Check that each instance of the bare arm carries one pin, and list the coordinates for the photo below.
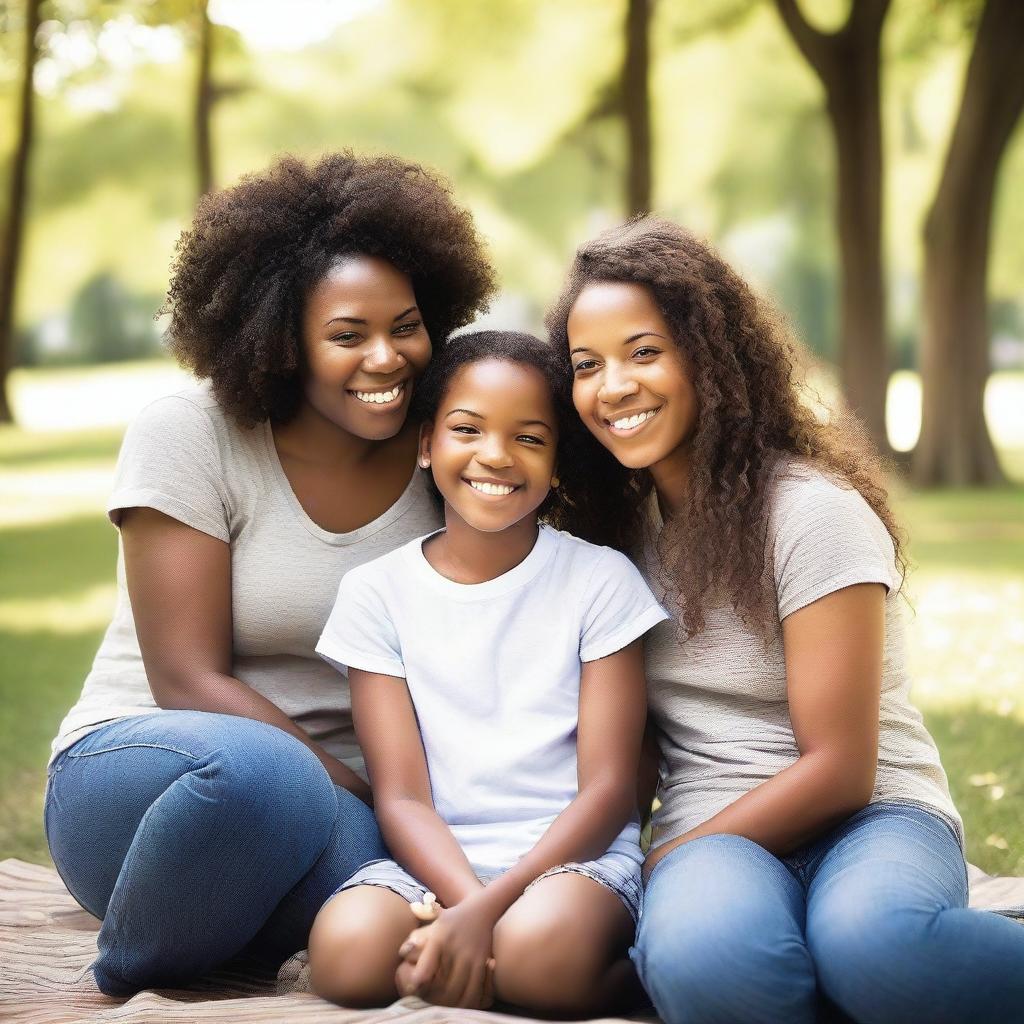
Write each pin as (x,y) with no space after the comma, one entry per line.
(179,582)
(415,833)
(834,649)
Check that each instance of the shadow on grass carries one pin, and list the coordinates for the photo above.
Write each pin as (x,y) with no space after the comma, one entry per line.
(57,559)
(979,743)
(27,449)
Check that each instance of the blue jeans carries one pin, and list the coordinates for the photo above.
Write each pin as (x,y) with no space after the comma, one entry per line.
(196,837)
(872,917)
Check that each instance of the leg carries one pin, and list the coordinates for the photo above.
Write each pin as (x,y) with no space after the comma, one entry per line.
(355,841)
(183,831)
(353,947)
(889,931)
(560,949)
(721,936)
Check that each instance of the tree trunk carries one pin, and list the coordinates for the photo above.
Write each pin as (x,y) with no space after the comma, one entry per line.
(636,105)
(848,64)
(204,103)
(955,448)
(17,200)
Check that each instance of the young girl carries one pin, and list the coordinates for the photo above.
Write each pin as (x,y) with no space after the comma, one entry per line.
(806,842)
(499,699)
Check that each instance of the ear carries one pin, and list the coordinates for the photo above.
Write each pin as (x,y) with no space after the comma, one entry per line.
(554,478)
(426,430)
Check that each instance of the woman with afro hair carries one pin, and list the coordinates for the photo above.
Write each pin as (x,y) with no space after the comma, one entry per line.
(206,793)
(806,848)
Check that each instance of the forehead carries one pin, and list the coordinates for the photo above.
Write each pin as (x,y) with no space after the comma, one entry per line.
(362,278)
(499,387)
(602,301)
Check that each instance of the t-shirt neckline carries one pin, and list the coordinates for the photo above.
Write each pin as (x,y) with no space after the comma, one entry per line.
(516,577)
(385,519)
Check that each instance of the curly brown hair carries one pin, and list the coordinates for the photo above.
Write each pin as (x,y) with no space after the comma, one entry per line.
(751,420)
(242,271)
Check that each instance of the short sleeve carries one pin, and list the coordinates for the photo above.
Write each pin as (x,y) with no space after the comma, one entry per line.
(360,633)
(618,607)
(826,538)
(170,461)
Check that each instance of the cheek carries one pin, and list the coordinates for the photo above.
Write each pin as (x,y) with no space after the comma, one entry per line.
(418,355)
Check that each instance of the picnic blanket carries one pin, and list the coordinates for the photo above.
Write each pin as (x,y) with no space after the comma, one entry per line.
(47,943)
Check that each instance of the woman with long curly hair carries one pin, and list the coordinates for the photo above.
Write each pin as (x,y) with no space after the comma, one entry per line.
(806,848)
(206,793)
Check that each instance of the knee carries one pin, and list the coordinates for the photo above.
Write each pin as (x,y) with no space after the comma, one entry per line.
(536,969)
(343,969)
(278,781)
(727,966)
(872,960)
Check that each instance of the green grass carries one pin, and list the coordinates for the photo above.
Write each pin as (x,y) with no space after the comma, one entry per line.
(966,628)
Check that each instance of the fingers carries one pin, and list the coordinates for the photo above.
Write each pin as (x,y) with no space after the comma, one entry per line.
(473,992)
(410,949)
(487,996)
(426,966)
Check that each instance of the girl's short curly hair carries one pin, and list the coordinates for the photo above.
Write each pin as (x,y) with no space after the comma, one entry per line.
(242,271)
(752,420)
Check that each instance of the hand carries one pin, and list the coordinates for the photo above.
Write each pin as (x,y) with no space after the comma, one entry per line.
(449,961)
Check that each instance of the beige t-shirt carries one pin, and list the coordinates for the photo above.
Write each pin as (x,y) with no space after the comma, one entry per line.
(184,456)
(719,702)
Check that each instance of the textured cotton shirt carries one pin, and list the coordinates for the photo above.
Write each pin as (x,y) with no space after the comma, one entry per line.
(493,671)
(185,457)
(719,700)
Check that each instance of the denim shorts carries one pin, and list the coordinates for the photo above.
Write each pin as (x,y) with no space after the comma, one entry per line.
(617,872)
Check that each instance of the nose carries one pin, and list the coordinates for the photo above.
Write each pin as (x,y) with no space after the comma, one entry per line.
(383,356)
(615,386)
(494,453)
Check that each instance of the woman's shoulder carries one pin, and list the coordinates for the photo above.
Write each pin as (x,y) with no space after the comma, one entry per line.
(801,489)
(192,409)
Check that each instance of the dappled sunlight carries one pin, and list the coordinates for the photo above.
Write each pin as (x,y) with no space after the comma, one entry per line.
(966,646)
(83,613)
(97,397)
(57,492)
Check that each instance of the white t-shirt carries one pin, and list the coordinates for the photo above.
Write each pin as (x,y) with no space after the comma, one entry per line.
(493,670)
(185,457)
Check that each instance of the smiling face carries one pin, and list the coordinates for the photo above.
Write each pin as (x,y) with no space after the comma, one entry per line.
(364,343)
(631,383)
(492,446)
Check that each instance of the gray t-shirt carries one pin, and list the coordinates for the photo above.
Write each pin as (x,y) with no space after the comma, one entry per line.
(719,701)
(184,456)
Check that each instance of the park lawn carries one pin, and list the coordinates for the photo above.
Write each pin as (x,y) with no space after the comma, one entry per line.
(966,629)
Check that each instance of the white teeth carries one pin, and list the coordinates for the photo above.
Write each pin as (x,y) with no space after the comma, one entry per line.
(490,488)
(633,421)
(379,397)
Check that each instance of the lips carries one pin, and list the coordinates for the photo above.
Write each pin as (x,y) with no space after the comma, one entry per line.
(493,488)
(629,423)
(380,396)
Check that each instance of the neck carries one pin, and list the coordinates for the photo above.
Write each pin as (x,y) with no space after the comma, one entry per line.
(313,438)
(671,478)
(466,555)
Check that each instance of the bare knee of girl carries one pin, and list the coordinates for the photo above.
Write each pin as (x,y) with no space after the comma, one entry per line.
(353,946)
(561,949)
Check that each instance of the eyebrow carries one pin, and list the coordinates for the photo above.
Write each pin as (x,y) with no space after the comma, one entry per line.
(478,416)
(359,320)
(628,341)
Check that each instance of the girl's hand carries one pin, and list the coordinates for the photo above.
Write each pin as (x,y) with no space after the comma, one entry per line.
(449,961)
